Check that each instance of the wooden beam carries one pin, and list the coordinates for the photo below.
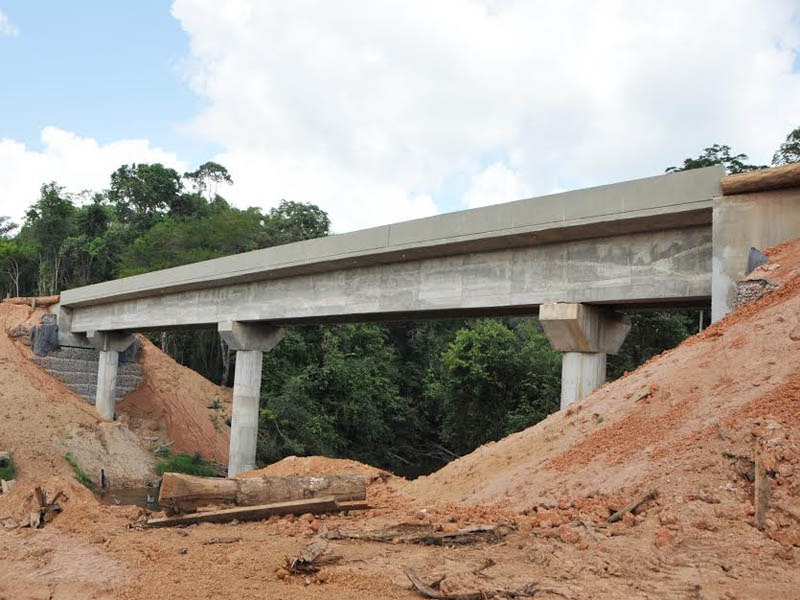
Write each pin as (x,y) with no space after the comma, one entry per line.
(251,513)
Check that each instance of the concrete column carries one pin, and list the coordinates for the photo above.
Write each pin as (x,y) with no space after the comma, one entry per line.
(585,334)
(244,421)
(250,340)
(106,384)
(581,374)
(110,344)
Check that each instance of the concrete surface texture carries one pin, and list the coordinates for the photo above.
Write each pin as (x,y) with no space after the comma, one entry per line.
(244,421)
(759,220)
(676,200)
(585,335)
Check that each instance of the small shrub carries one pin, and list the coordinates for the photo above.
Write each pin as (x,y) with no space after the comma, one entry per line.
(191,464)
(80,474)
(9,472)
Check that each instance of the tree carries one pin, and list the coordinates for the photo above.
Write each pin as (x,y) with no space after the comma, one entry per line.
(495,379)
(295,221)
(717,155)
(142,194)
(789,152)
(207,177)
(49,222)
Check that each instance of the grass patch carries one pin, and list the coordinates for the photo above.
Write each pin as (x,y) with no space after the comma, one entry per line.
(191,464)
(9,472)
(80,474)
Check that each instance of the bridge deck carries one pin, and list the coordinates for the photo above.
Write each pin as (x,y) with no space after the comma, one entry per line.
(642,241)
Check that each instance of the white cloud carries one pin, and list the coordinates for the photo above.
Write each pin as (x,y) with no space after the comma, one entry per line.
(496,183)
(77,163)
(369,109)
(6,27)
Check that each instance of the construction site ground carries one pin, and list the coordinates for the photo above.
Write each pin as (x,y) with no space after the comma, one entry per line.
(682,433)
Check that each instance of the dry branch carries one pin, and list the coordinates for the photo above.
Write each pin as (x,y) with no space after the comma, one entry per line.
(312,559)
(526,591)
(427,535)
(617,516)
(761,491)
(33,301)
(231,539)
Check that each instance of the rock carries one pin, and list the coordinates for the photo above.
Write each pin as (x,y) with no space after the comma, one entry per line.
(664,538)
(568,535)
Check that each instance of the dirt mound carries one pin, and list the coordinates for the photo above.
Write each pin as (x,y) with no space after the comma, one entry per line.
(318,465)
(688,424)
(178,405)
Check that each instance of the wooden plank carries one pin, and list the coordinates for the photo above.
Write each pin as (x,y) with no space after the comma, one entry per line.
(250,513)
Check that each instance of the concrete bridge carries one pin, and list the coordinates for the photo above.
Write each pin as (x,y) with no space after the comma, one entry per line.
(579,259)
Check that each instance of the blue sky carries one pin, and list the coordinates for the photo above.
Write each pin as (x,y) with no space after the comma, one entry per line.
(107,69)
(393,109)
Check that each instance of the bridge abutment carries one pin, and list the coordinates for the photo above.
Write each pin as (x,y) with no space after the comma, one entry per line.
(250,340)
(585,335)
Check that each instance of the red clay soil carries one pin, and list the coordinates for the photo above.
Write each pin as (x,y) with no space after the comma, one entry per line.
(179,405)
(686,426)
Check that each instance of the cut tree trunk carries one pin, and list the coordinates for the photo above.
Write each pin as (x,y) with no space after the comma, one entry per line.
(185,493)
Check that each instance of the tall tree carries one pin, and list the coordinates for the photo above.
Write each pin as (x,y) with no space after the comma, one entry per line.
(49,222)
(717,155)
(206,179)
(789,152)
(143,193)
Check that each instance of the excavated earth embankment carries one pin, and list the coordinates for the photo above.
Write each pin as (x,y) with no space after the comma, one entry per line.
(691,439)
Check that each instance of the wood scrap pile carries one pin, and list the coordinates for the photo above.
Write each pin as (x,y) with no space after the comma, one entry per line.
(45,510)
(432,590)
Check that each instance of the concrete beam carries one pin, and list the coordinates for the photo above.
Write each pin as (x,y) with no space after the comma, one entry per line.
(580,328)
(250,336)
(672,201)
(670,266)
(105,341)
(585,335)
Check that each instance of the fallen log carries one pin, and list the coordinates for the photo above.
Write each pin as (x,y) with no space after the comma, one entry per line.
(253,513)
(33,301)
(182,493)
(617,516)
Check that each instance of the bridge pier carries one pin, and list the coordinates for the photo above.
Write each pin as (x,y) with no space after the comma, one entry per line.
(250,340)
(110,344)
(586,335)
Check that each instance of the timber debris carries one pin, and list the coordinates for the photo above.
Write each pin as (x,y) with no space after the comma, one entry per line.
(429,591)
(255,513)
(312,559)
(181,493)
(428,535)
(617,516)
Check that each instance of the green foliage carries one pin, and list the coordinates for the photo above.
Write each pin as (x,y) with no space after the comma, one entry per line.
(789,151)
(9,472)
(334,391)
(650,335)
(717,155)
(80,475)
(495,378)
(142,194)
(191,464)
(295,221)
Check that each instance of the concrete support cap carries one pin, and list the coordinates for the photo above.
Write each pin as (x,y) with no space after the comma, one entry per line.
(250,336)
(104,341)
(583,328)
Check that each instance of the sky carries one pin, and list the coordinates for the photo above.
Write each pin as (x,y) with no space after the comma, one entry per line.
(380,111)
